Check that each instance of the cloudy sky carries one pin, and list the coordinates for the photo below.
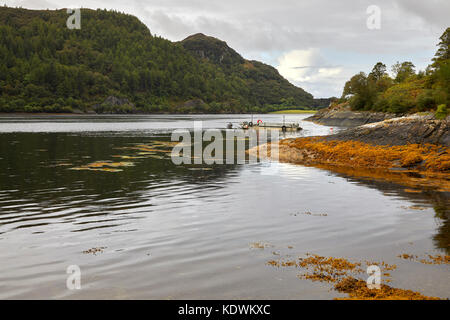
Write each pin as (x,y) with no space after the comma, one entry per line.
(317,45)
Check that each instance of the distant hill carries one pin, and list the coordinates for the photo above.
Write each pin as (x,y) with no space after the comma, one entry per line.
(114,64)
(213,50)
(265,84)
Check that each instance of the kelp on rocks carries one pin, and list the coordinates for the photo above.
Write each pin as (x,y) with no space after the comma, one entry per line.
(411,165)
(429,259)
(421,157)
(107,166)
(342,273)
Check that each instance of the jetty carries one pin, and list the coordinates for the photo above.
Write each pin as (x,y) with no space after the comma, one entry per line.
(284,126)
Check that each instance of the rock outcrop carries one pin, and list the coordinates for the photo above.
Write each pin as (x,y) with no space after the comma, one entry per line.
(115,101)
(113,104)
(400,131)
(191,106)
(343,117)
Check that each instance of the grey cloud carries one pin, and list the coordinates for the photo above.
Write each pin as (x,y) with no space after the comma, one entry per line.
(254,26)
(433,12)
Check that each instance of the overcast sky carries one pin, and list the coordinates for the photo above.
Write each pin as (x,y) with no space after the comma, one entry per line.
(317,45)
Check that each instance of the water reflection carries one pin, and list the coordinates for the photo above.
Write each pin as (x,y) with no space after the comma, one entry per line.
(442,237)
(393,185)
(180,223)
(38,185)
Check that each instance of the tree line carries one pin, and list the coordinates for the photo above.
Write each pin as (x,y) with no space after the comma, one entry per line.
(407,90)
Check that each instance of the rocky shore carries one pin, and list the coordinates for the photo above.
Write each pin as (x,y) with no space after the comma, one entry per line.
(414,129)
(342,116)
(390,150)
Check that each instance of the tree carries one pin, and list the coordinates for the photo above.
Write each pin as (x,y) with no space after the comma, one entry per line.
(403,71)
(378,71)
(356,85)
(443,52)
(441,70)
(362,91)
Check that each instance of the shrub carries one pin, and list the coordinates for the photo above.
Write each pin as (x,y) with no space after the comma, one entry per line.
(66,109)
(425,101)
(381,104)
(441,112)
(403,97)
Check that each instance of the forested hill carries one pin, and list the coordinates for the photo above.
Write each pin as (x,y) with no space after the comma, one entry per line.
(264,82)
(47,67)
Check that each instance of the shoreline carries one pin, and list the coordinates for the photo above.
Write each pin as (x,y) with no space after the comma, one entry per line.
(343,116)
(412,166)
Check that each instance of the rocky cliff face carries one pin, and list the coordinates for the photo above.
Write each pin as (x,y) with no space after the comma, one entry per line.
(344,117)
(400,131)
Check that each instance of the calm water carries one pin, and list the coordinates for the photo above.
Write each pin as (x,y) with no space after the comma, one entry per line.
(173,232)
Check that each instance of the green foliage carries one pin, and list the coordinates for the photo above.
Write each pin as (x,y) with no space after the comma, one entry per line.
(108,108)
(403,71)
(441,112)
(378,71)
(425,100)
(402,97)
(45,67)
(408,91)
(443,52)
(362,90)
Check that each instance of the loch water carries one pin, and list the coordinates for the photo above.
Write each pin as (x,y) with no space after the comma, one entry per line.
(151,229)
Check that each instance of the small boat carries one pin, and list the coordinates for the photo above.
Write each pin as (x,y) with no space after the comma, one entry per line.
(284,126)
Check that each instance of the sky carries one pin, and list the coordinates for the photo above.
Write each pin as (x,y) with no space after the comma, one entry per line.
(317,45)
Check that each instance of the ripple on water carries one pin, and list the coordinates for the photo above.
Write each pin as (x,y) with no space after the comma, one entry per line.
(171,232)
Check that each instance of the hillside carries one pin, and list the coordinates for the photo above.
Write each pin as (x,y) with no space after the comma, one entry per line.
(265,83)
(46,67)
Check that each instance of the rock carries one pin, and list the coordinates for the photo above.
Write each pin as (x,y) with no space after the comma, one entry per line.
(191,105)
(113,104)
(77,111)
(400,131)
(342,116)
(114,101)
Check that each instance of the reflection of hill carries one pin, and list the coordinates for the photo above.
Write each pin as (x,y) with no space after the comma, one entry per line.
(394,183)
(36,184)
(37,162)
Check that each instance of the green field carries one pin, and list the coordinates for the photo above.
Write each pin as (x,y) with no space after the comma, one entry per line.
(293,111)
